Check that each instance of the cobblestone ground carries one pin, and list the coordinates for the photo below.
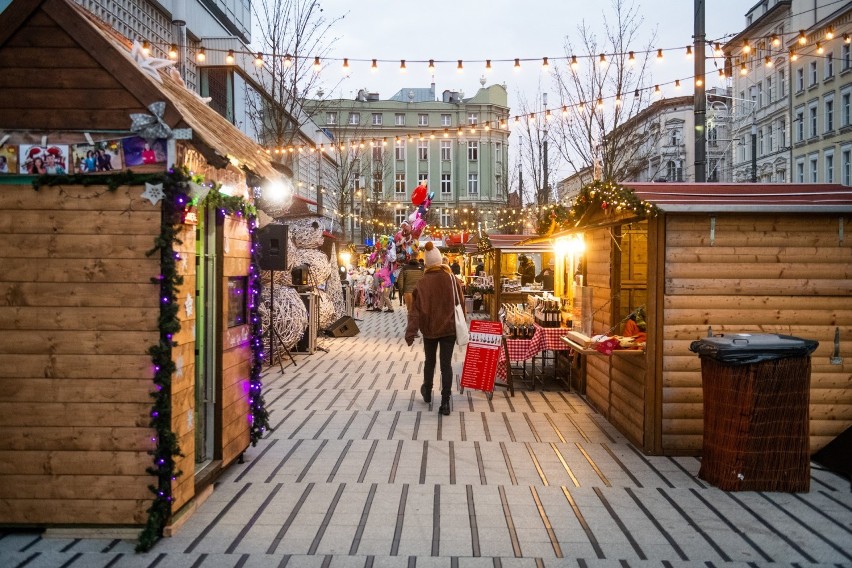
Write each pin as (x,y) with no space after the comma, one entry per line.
(358,471)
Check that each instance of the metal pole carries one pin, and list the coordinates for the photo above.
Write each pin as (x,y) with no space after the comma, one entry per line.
(545,192)
(700,104)
(753,153)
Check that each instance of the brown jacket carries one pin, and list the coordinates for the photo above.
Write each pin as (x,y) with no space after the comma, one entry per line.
(409,276)
(431,310)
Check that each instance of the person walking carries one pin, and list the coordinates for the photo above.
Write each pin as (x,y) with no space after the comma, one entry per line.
(432,312)
(409,276)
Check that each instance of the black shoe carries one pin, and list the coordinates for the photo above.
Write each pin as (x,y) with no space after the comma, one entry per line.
(426,393)
(445,406)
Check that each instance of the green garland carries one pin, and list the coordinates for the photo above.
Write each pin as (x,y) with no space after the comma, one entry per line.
(607,195)
(484,244)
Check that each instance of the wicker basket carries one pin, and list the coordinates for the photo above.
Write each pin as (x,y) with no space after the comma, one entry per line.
(756,425)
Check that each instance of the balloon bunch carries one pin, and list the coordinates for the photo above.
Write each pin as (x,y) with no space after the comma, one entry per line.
(403,245)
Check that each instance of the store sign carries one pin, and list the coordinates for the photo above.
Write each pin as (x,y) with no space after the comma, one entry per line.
(482,354)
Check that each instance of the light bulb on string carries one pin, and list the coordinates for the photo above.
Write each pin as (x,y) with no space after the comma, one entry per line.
(767,61)
(402,68)
(374,66)
(345,67)
(689,52)
(602,60)
(317,65)
(819,48)
(829,33)
(488,66)
(545,65)
(201,55)
(793,55)
(776,41)
(803,39)
(258,59)
(431,67)
(288,60)
(460,67)
(631,58)
(717,49)
(173,51)
(677,83)
(657,90)
(574,62)
(746,46)
(743,69)
(517,66)
(659,56)
(146,48)
(229,59)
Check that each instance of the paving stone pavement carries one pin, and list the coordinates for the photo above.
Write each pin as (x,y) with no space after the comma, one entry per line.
(359,472)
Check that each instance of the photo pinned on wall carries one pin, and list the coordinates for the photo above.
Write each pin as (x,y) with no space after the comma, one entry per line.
(139,152)
(40,160)
(8,159)
(98,157)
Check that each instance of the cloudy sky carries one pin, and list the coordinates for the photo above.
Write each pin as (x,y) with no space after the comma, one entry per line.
(502,30)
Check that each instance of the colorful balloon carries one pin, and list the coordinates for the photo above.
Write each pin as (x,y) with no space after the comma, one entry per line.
(419,194)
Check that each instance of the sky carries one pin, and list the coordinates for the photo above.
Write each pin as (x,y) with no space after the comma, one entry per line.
(504,30)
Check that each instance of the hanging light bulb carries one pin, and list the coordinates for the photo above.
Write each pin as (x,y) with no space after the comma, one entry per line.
(819,48)
(564,110)
(317,64)
(803,39)
(743,69)
(636,94)
(460,67)
(631,58)
(776,41)
(793,55)
(345,67)
(545,66)
(847,38)
(517,120)
(829,33)
(746,46)
(659,56)
(721,73)
(402,68)
(288,60)
(767,61)
(618,99)
(657,90)
(201,55)
(677,83)
(699,81)
(173,51)
(146,48)
(258,59)
(717,49)
(431,67)
(689,52)
(602,59)
(532,117)
(574,62)
(488,66)
(517,66)
(229,59)
(600,105)
(374,66)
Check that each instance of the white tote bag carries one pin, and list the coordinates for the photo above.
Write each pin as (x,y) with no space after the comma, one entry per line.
(462,333)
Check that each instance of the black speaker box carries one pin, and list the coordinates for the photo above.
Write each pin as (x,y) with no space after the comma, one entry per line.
(344,327)
(273,247)
(299,275)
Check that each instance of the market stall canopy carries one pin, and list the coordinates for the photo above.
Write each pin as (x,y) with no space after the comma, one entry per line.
(65,75)
(511,244)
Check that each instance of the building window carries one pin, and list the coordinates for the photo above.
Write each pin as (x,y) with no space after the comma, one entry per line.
(423,119)
(846,57)
(400,214)
(354,118)
(473,118)
(399,119)
(829,65)
(800,170)
(800,80)
(331,118)
(812,74)
(713,167)
(814,169)
(446,217)
(675,137)
(446,185)
(782,176)
(422,179)
(846,166)
(423,150)
(760,94)
(812,119)
(473,151)
(800,124)
(782,133)
(399,182)
(846,108)
(829,166)
(782,84)
(377,119)
(399,152)
(770,96)
(376,151)
(760,151)
(770,138)
(674,172)
(446,150)
(473,184)
(828,108)
(446,120)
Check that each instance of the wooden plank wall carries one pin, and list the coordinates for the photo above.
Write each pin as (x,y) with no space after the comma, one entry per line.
(615,386)
(183,355)
(236,349)
(77,313)
(771,273)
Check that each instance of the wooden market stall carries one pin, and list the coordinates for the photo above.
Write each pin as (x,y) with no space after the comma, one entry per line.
(735,258)
(123,369)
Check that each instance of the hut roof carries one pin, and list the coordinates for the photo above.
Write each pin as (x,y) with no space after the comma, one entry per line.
(745,197)
(64,74)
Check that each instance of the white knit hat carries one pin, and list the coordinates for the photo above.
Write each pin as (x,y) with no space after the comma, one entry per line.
(432,255)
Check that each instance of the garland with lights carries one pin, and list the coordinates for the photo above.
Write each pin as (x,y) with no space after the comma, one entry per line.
(607,195)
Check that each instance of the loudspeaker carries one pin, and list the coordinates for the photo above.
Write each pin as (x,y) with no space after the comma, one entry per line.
(344,327)
(273,247)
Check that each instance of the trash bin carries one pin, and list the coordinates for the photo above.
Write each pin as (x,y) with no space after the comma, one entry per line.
(756,390)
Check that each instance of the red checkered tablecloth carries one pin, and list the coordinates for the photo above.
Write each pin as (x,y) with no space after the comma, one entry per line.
(544,339)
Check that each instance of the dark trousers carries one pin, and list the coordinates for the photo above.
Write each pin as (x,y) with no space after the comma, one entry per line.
(430,347)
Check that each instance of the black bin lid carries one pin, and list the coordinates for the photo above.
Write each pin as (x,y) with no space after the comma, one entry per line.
(746,348)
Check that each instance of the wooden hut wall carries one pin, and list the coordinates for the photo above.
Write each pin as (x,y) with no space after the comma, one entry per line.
(236,349)
(183,356)
(77,315)
(768,273)
(614,385)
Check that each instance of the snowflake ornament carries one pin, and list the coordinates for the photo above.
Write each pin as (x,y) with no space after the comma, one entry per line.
(153,192)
